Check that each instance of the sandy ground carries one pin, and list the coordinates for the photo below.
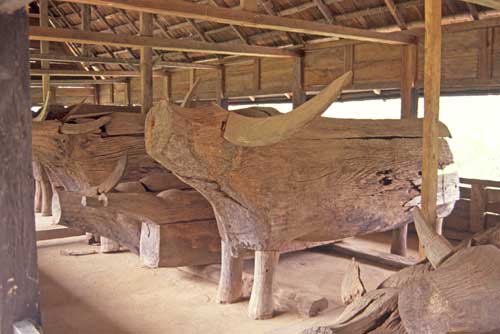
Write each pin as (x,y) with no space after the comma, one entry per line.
(112,293)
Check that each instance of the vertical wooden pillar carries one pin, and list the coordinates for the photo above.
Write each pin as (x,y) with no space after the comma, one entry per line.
(432,92)
(299,96)
(127,91)
(168,86)
(45,48)
(146,29)
(18,258)
(256,74)
(409,76)
(478,200)
(409,109)
(85,26)
(221,88)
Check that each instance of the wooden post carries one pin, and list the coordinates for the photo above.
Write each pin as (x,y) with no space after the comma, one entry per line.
(18,258)
(409,108)
(409,76)
(221,88)
(261,301)
(477,208)
(231,276)
(432,92)
(299,96)
(45,48)
(168,86)
(146,29)
(128,100)
(85,26)
(257,74)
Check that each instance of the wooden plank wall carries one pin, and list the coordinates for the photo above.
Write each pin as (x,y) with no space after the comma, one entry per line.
(471,54)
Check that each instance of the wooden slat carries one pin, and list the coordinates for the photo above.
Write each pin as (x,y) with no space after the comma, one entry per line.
(248,19)
(493,195)
(396,14)
(351,249)
(432,84)
(486,183)
(87,37)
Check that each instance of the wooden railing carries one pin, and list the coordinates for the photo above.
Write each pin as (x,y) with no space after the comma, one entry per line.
(478,207)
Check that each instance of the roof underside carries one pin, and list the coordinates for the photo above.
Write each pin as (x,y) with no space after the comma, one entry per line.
(364,14)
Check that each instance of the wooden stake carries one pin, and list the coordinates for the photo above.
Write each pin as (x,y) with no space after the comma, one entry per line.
(231,277)
(146,27)
(299,96)
(261,301)
(46,188)
(432,91)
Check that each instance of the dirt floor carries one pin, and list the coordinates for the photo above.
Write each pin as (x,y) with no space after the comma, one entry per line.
(112,293)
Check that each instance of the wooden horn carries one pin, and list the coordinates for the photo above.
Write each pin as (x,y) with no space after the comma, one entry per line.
(252,132)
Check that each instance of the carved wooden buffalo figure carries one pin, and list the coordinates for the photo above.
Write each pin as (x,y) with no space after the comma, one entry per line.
(294,176)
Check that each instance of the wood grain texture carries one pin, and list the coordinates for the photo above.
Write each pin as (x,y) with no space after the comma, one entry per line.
(18,258)
(262,203)
(463,293)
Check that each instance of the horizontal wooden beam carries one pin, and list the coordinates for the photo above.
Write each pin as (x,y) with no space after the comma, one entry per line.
(118,61)
(88,37)
(190,10)
(62,83)
(81,73)
(486,3)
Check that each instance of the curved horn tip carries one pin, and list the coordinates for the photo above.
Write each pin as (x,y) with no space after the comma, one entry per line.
(254,132)
(436,247)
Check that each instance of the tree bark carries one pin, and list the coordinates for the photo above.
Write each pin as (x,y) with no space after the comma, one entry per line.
(18,258)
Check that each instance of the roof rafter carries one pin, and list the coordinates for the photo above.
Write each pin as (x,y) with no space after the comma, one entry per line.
(86,37)
(252,20)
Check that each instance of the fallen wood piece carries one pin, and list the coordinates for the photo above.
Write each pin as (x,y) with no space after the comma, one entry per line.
(352,287)
(73,110)
(130,187)
(406,276)
(112,180)
(157,182)
(78,252)
(461,295)
(125,124)
(363,315)
(83,128)
(286,299)
(349,248)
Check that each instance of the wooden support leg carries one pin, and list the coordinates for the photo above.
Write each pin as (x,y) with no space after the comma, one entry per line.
(109,246)
(399,241)
(231,277)
(261,301)
(38,196)
(46,188)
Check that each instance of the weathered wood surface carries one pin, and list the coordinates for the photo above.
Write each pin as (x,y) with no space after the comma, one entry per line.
(68,211)
(460,296)
(352,287)
(78,162)
(18,257)
(262,202)
(301,181)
